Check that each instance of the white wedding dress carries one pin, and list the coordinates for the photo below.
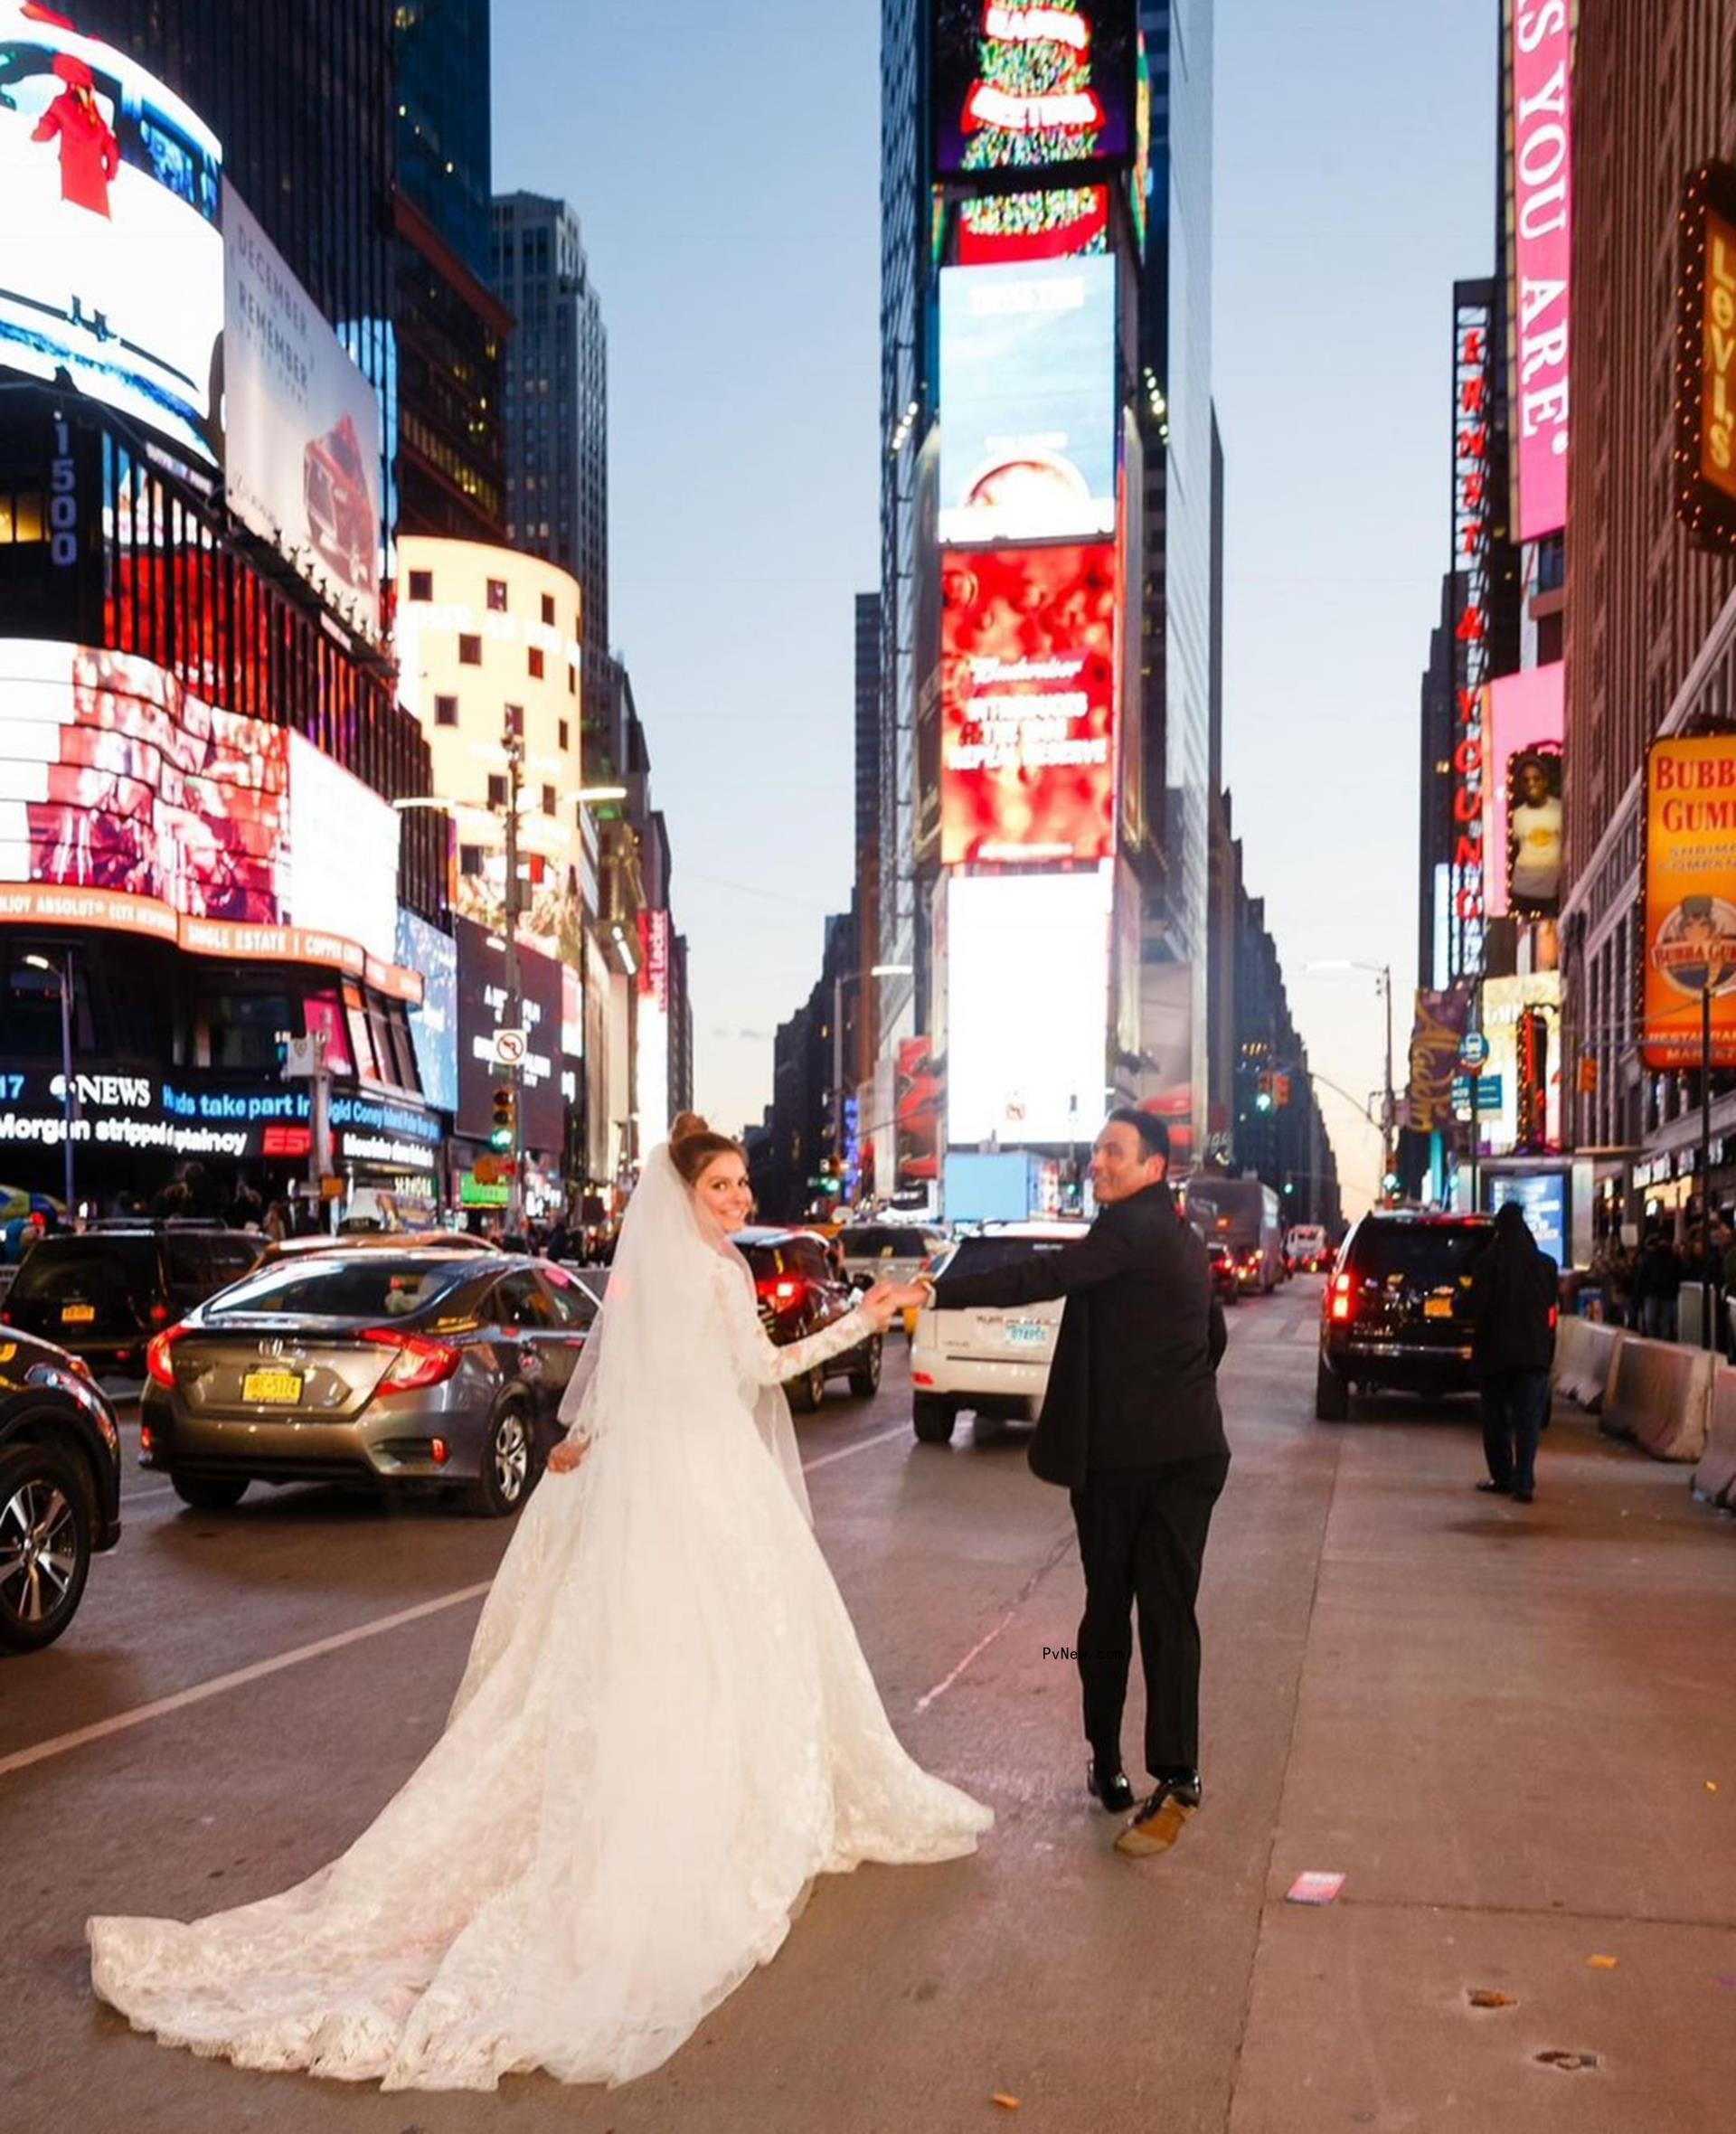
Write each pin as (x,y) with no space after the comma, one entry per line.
(665,1730)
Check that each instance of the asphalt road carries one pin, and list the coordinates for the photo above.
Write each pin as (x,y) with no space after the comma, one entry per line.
(1512,1731)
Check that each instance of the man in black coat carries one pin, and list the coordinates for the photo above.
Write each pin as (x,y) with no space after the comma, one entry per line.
(1130,1426)
(1513,1304)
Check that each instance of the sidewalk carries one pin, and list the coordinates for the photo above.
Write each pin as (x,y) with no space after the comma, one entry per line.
(1515,1736)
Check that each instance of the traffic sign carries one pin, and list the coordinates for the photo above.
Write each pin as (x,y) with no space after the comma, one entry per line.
(1473,1049)
(510,1048)
(1489,1093)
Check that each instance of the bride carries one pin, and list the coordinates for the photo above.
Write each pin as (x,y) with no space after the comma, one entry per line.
(665,1731)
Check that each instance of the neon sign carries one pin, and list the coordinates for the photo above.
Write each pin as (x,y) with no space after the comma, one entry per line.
(1471,501)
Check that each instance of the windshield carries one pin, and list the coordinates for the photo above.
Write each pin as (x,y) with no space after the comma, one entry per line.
(1419,1253)
(371,1285)
(885,1242)
(92,1268)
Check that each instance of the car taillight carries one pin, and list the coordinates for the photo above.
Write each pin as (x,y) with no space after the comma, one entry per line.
(158,1315)
(782,1295)
(159,1368)
(419,1363)
(1340,1303)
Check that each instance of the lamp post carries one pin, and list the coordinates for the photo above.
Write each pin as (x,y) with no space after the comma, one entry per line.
(1384,972)
(840,980)
(62,976)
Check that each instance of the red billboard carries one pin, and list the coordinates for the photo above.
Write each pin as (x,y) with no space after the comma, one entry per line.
(1027,703)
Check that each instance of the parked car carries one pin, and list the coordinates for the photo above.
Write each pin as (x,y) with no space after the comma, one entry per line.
(408,1369)
(1226,1277)
(991,1359)
(887,1252)
(1307,1248)
(59,1487)
(102,1293)
(1393,1316)
(800,1292)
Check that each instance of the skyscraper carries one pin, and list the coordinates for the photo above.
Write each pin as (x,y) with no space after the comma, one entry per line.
(557,409)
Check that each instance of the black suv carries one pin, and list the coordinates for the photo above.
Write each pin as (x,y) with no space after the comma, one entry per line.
(102,1293)
(1393,1317)
(800,1291)
(60,1488)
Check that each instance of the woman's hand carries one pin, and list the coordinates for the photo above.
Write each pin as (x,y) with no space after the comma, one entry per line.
(884,1303)
(567,1454)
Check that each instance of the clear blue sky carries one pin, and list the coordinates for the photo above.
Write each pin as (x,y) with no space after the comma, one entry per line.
(724,163)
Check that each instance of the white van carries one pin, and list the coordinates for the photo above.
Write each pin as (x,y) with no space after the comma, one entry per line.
(1307,1248)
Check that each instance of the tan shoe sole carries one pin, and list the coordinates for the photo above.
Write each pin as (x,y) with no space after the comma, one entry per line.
(1157,1833)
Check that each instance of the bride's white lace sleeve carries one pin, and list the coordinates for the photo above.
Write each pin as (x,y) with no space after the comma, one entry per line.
(759,1359)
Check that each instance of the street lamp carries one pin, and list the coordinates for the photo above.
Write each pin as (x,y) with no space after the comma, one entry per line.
(840,980)
(62,978)
(1384,972)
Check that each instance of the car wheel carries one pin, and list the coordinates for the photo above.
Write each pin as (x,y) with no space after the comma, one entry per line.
(807,1391)
(209,1493)
(934,1420)
(45,1545)
(508,1465)
(1331,1396)
(864,1380)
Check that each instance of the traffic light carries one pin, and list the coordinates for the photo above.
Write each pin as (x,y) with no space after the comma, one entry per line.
(1263,1093)
(504,1130)
(1280,1089)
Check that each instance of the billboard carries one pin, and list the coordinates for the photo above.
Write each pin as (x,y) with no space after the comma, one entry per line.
(1441,1020)
(1473,392)
(484,1006)
(1522,724)
(1705,359)
(1541,1196)
(301,425)
(652,1057)
(434,1024)
(1023,85)
(111,260)
(1027,399)
(1690,901)
(1058,222)
(1027,1008)
(1027,705)
(1540,206)
(128,802)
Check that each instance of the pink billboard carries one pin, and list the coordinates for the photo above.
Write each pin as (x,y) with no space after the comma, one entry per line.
(1521,788)
(1540,164)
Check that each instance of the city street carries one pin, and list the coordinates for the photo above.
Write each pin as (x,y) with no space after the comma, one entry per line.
(1511,1731)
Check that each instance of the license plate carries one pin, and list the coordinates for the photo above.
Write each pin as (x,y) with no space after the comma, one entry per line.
(1438,1308)
(1027,1336)
(77,1314)
(272,1389)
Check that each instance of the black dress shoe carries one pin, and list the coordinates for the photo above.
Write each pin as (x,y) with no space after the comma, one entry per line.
(1522,1496)
(1110,1788)
(1495,1488)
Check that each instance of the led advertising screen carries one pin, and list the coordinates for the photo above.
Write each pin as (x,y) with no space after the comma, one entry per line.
(1541,1197)
(1059,222)
(128,802)
(1030,84)
(434,1024)
(1027,400)
(1522,791)
(301,425)
(111,258)
(1028,1009)
(1027,705)
(1540,192)
(1690,901)
(652,1028)
(484,1006)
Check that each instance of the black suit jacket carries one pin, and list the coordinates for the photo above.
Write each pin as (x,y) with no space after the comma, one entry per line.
(1134,1379)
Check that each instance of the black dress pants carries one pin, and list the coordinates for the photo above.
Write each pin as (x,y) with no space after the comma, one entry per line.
(1142,1538)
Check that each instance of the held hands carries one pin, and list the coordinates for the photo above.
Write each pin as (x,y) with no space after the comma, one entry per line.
(567,1454)
(882,1304)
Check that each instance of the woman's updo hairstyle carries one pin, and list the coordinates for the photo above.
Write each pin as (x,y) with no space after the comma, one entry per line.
(693,1146)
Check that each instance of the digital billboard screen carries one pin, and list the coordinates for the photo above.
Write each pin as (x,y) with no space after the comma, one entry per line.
(111,255)
(1027,705)
(1027,400)
(1539,193)
(484,1007)
(342,852)
(1522,727)
(301,425)
(1027,1007)
(1030,84)
(434,1024)
(1057,222)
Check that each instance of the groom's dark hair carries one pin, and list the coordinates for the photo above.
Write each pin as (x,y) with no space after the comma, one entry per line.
(1154,1135)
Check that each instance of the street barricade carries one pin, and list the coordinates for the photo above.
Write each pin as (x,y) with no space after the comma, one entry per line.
(1660,1394)
(1585,1361)
(1715,1476)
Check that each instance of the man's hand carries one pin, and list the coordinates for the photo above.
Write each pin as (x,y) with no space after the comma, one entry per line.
(884,1303)
(567,1454)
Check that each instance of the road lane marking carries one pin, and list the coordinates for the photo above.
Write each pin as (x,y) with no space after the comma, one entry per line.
(1062,1548)
(139,1495)
(219,1684)
(200,1691)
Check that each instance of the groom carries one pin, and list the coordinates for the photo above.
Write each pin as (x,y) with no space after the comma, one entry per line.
(1130,1425)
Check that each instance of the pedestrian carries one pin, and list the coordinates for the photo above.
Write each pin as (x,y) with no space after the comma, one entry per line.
(1657,1285)
(667,1730)
(1511,1305)
(1130,1426)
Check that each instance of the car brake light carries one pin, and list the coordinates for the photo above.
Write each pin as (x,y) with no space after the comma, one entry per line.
(1342,1308)
(921,1378)
(782,1295)
(159,1368)
(159,1314)
(419,1363)
(145,1441)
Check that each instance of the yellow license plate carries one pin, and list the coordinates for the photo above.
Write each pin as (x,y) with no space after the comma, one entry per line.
(1438,1308)
(272,1389)
(77,1314)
